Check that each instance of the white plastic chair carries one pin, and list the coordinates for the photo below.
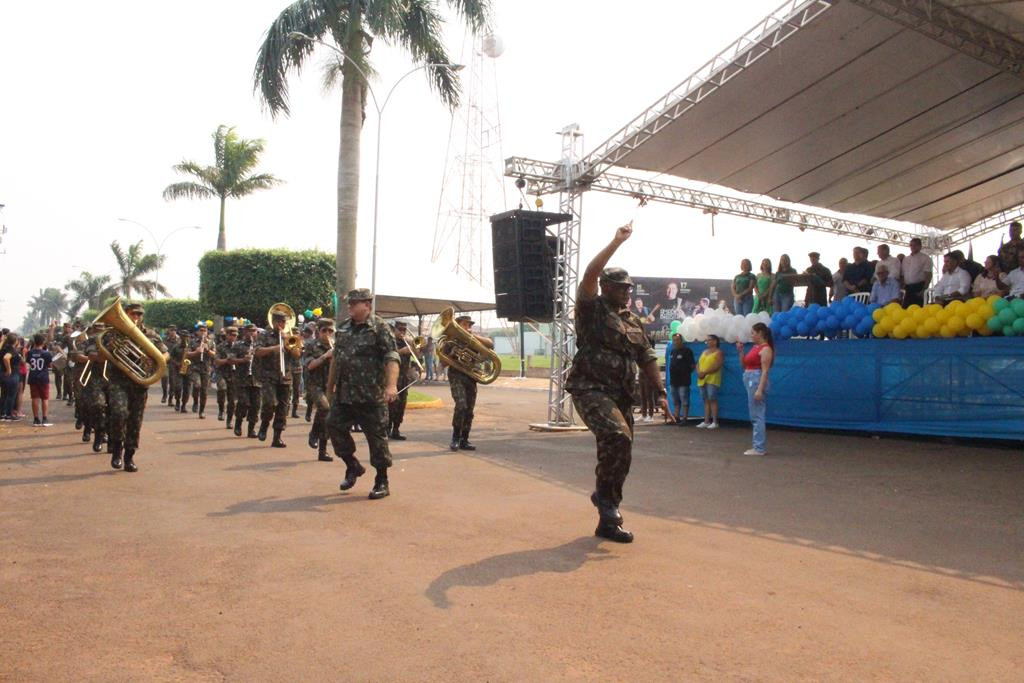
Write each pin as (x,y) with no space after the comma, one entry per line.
(862,297)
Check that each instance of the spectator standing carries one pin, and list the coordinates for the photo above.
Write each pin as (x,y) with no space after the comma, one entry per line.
(782,288)
(756,365)
(917,274)
(38,361)
(885,288)
(1008,252)
(954,284)
(709,379)
(763,288)
(743,289)
(680,374)
(892,263)
(973,268)
(428,359)
(1015,278)
(10,376)
(857,276)
(838,281)
(820,281)
(988,281)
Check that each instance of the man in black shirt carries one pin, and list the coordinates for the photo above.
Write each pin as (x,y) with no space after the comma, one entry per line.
(680,371)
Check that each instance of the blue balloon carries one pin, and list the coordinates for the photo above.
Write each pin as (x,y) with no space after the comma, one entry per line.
(820,327)
(850,322)
(813,307)
(803,329)
(832,323)
(786,332)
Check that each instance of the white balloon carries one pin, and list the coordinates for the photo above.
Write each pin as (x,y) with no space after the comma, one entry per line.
(687,330)
(492,46)
(751,318)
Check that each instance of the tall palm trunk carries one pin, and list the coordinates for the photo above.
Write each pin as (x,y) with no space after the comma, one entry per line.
(348,162)
(222,242)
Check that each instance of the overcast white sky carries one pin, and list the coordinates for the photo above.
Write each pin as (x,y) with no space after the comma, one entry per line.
(100,99)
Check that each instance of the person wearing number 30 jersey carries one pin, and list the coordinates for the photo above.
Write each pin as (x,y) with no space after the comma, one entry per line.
(38,360)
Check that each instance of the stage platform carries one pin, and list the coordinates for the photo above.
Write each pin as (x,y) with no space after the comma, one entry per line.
(971,387)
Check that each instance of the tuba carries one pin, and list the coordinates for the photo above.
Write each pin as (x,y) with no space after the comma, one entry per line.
(462,351)
(290,342)
(124,345)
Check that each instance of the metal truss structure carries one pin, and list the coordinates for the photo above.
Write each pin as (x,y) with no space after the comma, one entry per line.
(985,226)
(540,176)
(567,266)
(953,29)
(769,33)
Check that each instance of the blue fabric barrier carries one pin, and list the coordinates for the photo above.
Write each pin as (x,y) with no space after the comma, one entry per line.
(965,387)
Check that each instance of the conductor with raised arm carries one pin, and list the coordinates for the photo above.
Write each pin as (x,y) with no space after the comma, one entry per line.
(610,345)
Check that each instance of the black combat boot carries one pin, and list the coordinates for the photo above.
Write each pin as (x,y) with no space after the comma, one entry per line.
(309,413)
(129,464)
(86,434)
(277,442)
(322,451)
(220,415)
(295,412)
(353,470)
(263,431)
(78,422)
(613,533)
(97,441)
(464,443)
(396,435)
(380,485)
(195,406)
(251,433)
(231,417)
(454,445)
(115,454)
(607,509)
(238,427)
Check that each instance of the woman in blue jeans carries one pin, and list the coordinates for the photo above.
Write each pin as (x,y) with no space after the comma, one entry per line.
(10,376)
(756,365)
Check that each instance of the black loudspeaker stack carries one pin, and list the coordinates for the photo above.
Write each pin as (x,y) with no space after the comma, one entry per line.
(525,264)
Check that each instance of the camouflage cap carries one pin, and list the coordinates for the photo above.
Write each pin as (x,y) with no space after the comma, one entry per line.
(249,326)
(361,294)
(230,329)
(465,319)
(324,324)
(277,315)
(400,325)
(616,276)
(172,328)
(134,308)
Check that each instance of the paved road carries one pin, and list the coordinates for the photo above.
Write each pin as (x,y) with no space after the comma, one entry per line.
(836,557)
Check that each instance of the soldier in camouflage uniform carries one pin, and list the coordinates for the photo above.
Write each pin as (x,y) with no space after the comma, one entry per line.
(95,390)
(298,376)
(463,388)
(181,402)
(201,352)
(247,385)
(363,380)
(610,344)
(396,411)
(226,372)
(74,369)
(316,359)
(274,365)
(127,402)
(173,343)
(68,373)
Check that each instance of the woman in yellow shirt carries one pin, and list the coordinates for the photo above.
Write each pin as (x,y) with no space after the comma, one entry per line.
(709,379)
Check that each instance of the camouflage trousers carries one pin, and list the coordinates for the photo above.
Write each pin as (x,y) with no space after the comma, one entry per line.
(276,398)
(75,391)
(70,380)
(164,384)
(463,388)
(396,411)
(610,419)
(127,404)
(226,392)
(173,384)
(200,383)
(296,389)
(58,384)
(94,405)
(247,403)
(372,418)
(317,397)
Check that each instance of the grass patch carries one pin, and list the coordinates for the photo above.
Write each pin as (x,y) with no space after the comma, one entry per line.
(511,362)
(419,397)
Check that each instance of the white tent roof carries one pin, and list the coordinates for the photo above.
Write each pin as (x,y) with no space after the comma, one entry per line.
(839,104)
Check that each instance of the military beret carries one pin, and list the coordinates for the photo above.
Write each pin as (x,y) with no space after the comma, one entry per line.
(361,294)
(325,324)
(616,276)
(465,319)
(277,315)
(249,326)
(399,325)
(134,308)
(230,329)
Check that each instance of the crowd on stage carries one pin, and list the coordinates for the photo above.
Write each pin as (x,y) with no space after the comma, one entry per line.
(904,278)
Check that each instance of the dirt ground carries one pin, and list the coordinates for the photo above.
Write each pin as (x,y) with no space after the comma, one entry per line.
(835,557)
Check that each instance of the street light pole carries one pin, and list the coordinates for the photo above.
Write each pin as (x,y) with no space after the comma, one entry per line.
(159,243)
(297,35)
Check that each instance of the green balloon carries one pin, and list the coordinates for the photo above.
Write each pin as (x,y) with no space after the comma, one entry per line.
(1000,304)
(1017,306)
(675,326)
(1007,316)
(994,323)
(1018,325)
(1008,331)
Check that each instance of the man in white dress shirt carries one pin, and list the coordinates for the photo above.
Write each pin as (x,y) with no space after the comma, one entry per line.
(955,283)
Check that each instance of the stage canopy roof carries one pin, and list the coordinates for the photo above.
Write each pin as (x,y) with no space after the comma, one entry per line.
(910,110)
(390,306)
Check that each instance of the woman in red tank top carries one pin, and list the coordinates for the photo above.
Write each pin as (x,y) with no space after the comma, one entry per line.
(756,364)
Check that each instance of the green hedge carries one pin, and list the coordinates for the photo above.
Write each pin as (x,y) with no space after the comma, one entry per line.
(247,282)
(179,312)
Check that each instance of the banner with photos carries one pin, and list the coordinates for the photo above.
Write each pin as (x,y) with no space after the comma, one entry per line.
(659,301)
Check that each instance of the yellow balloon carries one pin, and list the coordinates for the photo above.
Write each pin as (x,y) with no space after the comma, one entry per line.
(891,307)
(984,331)
(946,332)
(974,321)
(986,311)
(933,308)
(879,330)
(899,333)
(209,323)
(956,323)
(932,325)
(898,316)
(318,311)
(955,306)
(993,298)
(885,326)
(921,333)
(920,315)
(878,314)
(943,316)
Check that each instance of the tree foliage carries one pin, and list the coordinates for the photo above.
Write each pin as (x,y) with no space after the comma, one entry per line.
(247,282)
(161,313)
(89,290)
(134,266)
(49,304)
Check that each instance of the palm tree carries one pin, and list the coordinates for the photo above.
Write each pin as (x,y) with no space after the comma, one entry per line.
(415,25)
(235,158)
(133,265)
(89,290)
(48,305)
